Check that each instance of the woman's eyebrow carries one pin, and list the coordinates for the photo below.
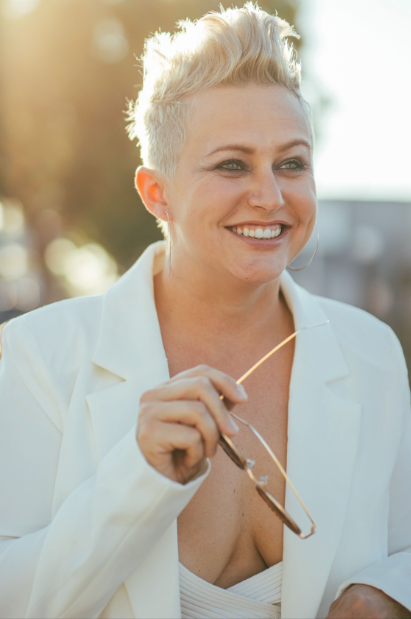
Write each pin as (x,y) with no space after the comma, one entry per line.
(298,142)
(244,149)
(249,150)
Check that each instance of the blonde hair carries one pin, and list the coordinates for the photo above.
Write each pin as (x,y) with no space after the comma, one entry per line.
(232,48)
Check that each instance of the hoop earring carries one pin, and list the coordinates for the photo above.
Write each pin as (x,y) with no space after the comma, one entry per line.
(312,257)
(168,241)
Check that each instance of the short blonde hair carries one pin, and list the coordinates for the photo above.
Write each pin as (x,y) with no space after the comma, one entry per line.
(232,48)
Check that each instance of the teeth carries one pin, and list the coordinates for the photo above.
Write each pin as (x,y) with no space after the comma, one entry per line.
(258,233)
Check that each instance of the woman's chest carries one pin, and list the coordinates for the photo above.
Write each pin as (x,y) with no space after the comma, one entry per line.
(227,533)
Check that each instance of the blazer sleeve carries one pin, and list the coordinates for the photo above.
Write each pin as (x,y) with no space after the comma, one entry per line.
(71,565)
(393,575)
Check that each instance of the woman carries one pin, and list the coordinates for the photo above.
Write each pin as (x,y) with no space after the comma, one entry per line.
(97,511)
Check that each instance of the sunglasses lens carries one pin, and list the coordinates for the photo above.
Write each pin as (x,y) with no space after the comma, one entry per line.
(231,451)
(278,510)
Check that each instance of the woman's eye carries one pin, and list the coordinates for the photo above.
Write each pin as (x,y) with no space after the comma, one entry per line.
(293,164)
(231,165)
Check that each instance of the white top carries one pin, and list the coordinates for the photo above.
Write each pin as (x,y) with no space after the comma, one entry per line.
(258,597)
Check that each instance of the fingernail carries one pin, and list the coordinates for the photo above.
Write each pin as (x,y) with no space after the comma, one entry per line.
(233,426)
(242,392)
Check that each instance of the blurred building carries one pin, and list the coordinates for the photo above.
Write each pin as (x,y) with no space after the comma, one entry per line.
(364,258)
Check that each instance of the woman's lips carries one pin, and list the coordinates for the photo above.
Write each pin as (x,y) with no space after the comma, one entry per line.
(262,243)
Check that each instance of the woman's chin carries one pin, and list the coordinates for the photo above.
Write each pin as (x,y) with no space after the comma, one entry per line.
(261,263)
(257,274)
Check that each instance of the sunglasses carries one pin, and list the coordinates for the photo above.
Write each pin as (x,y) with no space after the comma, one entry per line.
(247,464)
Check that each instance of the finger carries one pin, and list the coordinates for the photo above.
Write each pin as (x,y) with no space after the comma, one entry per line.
(172,437)
(194,414)
(224,384)
(199,388)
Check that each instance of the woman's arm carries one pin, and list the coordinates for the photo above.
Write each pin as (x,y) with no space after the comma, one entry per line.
(72,565)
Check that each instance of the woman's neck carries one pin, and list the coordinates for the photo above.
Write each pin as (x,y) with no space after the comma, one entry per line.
(211,312)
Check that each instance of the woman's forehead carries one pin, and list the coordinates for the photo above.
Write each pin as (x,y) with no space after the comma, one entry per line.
(248,116)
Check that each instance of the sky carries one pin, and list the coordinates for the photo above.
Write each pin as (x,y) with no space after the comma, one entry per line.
(357,54)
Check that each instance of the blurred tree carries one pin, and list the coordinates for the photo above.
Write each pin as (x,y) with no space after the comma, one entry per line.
(67,69)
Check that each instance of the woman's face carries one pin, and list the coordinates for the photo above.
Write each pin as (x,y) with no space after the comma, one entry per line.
(244,172)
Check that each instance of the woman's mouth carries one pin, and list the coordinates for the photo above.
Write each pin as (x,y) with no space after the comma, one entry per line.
(258,232)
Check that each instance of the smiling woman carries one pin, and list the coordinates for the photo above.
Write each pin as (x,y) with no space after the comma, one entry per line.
(113,405)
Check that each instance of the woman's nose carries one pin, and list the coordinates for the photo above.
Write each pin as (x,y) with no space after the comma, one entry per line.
(266,192)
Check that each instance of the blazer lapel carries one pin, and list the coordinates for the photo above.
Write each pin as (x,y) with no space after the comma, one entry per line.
(131,358)
(323,431)
(129,353)
(114,410)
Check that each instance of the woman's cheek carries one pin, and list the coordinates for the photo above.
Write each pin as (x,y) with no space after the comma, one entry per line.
(303,202)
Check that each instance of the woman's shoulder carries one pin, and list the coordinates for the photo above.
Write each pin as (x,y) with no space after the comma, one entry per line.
(60,327)
(350,316)
(361,334)
(44,349)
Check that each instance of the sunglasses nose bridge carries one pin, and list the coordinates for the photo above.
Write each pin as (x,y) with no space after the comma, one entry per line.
(262,481)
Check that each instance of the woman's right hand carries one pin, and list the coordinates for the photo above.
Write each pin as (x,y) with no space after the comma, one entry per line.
(180,421)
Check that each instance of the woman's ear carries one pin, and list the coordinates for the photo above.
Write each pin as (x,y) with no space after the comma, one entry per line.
(151,189)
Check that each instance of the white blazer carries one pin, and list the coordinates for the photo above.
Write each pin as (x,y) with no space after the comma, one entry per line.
(89,528)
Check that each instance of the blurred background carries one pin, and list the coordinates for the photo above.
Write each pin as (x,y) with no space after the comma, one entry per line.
(70,220)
